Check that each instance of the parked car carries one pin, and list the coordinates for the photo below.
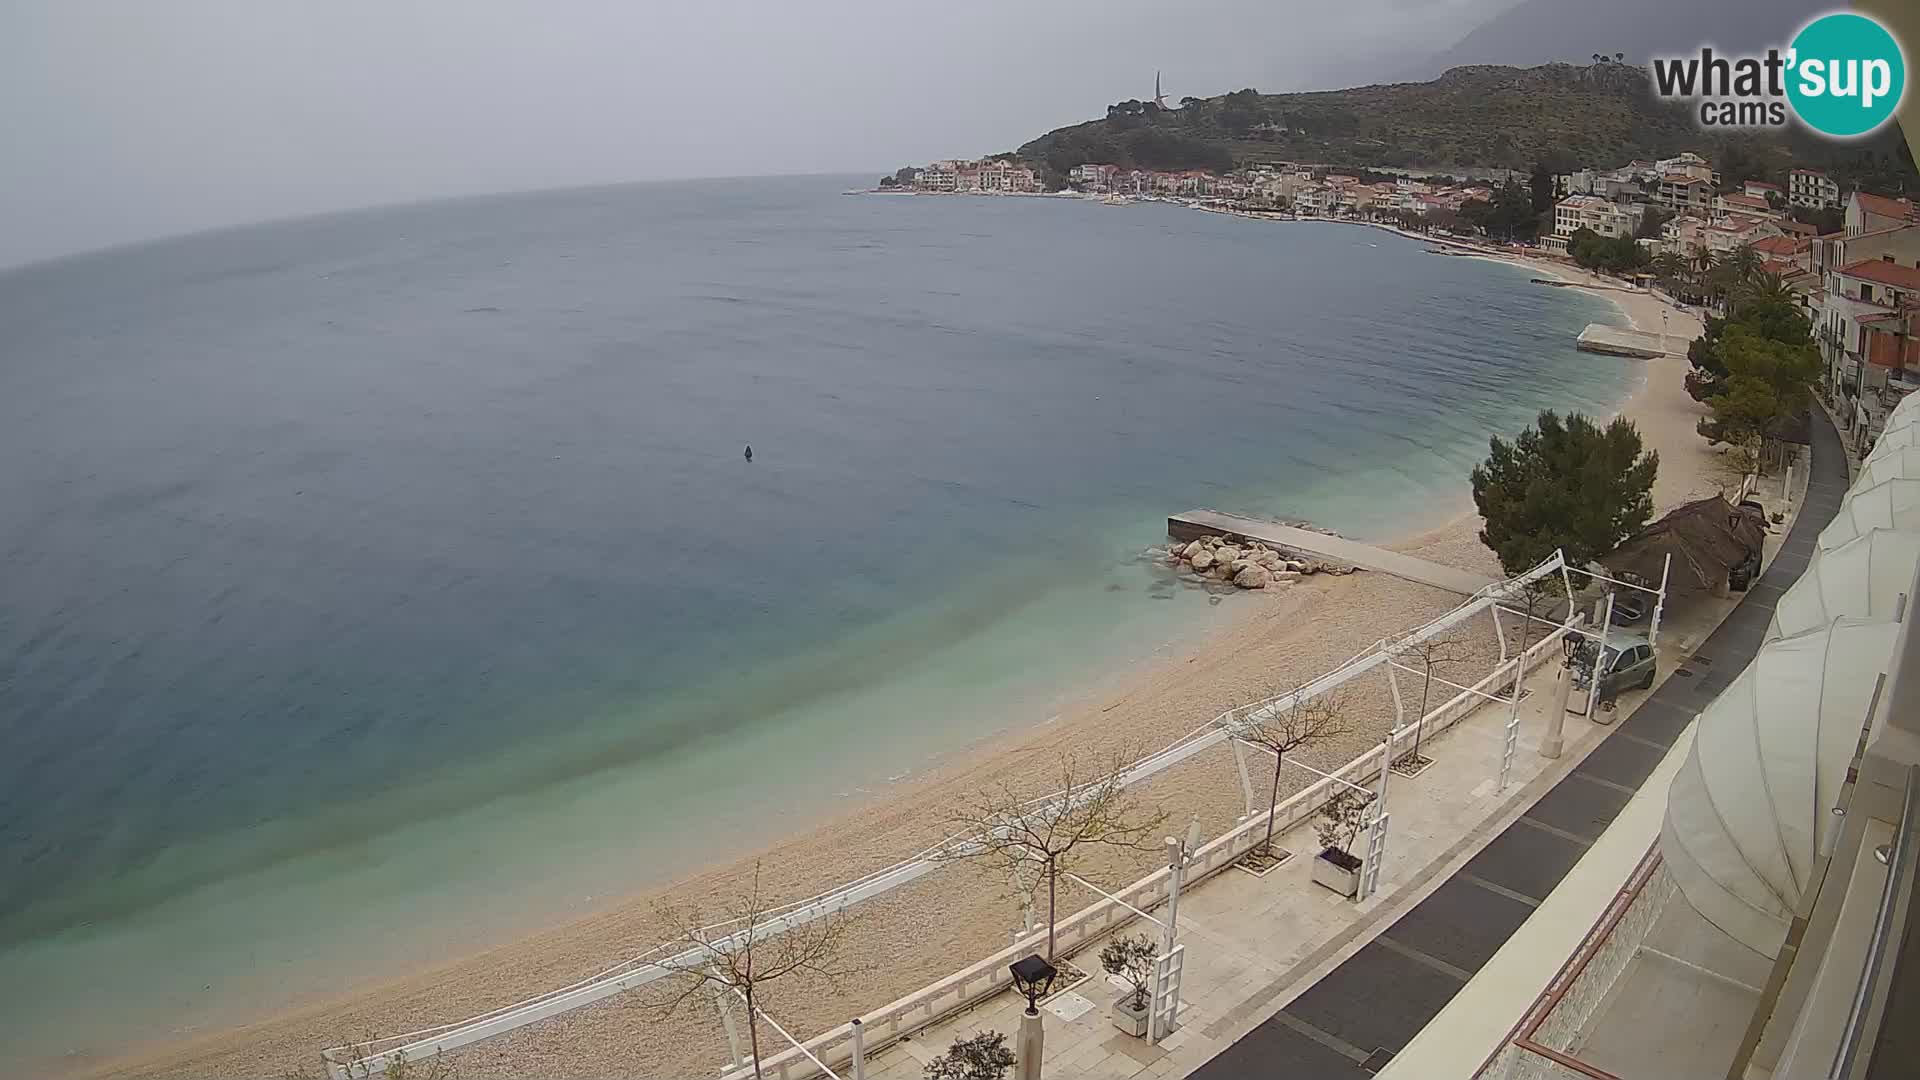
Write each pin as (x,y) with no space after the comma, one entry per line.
(1627,665)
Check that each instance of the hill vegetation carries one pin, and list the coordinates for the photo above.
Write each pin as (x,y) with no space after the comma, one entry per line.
(1566,116)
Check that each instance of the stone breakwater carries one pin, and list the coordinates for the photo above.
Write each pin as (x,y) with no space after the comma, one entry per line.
(1247,564)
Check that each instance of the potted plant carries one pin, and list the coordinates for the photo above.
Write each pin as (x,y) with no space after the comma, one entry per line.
(1341,817)
(1131,959)
(978,1057)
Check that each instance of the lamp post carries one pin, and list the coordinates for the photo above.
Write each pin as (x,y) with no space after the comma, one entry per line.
(1032,976)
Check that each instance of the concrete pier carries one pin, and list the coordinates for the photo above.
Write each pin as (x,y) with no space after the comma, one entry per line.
(1307,544)
(1614,341)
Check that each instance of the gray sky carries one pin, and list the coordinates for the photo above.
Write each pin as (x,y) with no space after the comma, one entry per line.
(125,121)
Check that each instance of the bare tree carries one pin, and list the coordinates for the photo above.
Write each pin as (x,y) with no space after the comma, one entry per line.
(1440,650)
(1306,722)
(1011,831)
(740,954)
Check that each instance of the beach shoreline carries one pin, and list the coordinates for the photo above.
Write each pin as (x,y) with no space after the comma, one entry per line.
(1272,636)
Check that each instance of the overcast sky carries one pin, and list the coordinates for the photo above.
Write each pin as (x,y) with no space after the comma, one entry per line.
(126,121)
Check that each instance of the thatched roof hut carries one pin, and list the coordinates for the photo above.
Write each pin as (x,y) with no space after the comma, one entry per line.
(1706,538)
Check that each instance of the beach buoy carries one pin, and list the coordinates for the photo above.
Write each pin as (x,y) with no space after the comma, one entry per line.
(749,452)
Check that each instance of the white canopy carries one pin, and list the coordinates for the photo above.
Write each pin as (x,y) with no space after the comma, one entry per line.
(1888,463)
(1906,410)
(1863,577)
(1747,814)
(1899,438)
(1890,504)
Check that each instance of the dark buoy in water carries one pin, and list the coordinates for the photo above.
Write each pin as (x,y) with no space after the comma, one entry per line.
(749,452)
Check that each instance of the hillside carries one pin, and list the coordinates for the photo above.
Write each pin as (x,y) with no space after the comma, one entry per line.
(1470,118)
(1545,31)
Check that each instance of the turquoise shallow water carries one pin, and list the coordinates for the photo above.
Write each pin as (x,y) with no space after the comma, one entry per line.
(407,560)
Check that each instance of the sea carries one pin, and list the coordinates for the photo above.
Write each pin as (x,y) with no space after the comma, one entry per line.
(381,584)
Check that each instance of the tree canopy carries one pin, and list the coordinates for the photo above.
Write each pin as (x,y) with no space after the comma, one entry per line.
(1509,216)
(1614,254)
(1564,484)
(1766,381)
(1766,309)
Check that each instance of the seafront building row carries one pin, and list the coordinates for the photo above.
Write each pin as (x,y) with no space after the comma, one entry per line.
(1859,283)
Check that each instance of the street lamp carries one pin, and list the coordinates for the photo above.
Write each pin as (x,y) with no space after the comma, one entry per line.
(1032,976)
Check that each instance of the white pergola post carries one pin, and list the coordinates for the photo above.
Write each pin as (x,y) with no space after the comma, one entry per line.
(1499,632)
(1377,828)
(1399,707)
(726,1020)
(1513,721)
(1554,741)
(859,1050)
(1599,658)
(1660,602)
(1246,781)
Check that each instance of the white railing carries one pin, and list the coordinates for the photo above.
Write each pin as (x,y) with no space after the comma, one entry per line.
(372,1058)
(967,987)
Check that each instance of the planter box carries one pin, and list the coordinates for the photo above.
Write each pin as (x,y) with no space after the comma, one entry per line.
(1338,871)
(1128,1019)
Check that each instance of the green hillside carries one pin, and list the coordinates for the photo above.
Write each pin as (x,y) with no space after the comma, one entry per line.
(1599,115)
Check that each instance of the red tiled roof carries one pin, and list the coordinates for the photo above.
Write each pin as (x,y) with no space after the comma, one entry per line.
(1779,245)
(1881,206)
(1762,184)
(1800,227)
(1885,273)
(1754,202)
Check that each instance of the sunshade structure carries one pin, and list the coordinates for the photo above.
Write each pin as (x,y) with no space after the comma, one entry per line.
(1748,813)
(1888,463)
(1706,538)
(1890,504)
(1863,577)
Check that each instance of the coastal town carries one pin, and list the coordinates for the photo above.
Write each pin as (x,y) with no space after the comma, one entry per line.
(1850,259)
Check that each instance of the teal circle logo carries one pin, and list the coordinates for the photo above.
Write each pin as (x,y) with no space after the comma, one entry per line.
(1847,75)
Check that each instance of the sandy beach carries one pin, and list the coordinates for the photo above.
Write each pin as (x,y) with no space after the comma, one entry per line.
(958,914)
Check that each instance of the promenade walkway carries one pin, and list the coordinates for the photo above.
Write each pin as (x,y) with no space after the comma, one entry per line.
(1348,1025)
(1314,545)
(1286,979)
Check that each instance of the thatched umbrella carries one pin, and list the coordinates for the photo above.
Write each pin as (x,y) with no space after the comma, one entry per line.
(1707,538)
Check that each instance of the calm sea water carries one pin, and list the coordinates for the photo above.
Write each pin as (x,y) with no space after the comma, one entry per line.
(376,581)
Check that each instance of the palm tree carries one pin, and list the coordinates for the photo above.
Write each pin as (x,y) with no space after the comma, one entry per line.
(1764,287)
(1742,263)
(1704,261)
(1670,267)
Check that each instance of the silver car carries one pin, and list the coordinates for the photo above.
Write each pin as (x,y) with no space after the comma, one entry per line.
(1627,665)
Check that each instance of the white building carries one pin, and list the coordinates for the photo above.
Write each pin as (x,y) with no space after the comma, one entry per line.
(1607,218)
(939,176)
(1683,192)
(1811,187)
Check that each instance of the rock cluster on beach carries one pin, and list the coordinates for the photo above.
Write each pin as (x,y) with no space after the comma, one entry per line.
(1250,565)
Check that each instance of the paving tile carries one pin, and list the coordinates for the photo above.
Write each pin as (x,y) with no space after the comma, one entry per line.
(1623,761)
(1272,1050)
(1377,998)
(1461,924)
(1660,718)
(1526,860)
(1580,807)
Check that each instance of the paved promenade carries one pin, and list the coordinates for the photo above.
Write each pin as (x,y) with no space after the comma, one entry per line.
(1286,979)
(1349,1024)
